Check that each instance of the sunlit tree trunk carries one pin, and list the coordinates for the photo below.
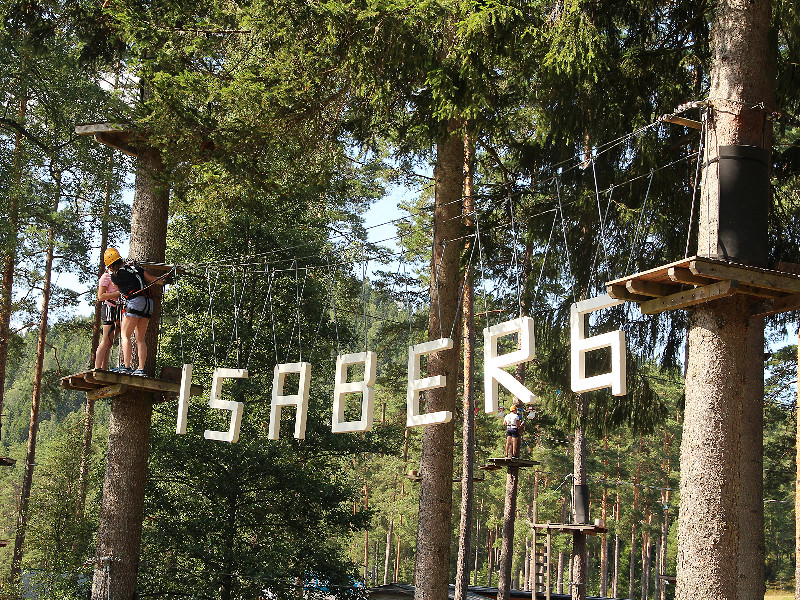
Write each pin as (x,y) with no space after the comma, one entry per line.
(432,564)
(121,513)
(33,427)
(468,423)
(710,564)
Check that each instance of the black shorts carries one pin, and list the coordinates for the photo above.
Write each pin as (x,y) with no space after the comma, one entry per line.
(512,432)
(109,314)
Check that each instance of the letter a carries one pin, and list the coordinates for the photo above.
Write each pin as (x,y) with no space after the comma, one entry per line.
(300,400)
(581,345)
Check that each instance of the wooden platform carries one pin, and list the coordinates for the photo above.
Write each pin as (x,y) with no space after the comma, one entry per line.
(504,463)
(696,280)
(7,462)
(116,135)
(3,543)
(588,528)
(98,383)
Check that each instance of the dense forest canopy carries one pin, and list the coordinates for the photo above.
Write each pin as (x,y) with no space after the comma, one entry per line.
(280,124)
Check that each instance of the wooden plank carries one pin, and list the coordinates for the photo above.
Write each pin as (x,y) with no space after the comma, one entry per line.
(107,392)
(5,461)
(653,273)
(77,383)
(106,127)
(682,275)
(747,275)
(143,383)
(619,292)
(512,462)
(650,288)
(760,292)
(689,297)
(691,123)
(776,306)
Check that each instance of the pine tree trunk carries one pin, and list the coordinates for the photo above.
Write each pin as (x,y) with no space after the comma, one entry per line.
(121,514)
(432,564)
(489,557)
(579,562)
(33,427)
(10,254)
(507,547)
(388,556)
(604,536)
(710,554)
(477,545)
(468,424)
(751,467)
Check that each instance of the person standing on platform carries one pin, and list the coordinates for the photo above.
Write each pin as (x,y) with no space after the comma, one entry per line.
(108,294)
(134,286)
(513,432)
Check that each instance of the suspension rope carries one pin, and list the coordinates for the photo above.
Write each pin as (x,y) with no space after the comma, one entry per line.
(703,127)
(639,225)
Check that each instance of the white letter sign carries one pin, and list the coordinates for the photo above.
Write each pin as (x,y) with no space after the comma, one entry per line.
(493,364)
(300,400)
(183,399)
(342,387)
(416,385)
(236,408)
(581,345)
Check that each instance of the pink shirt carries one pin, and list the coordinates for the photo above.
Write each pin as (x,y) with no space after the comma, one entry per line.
(105,281)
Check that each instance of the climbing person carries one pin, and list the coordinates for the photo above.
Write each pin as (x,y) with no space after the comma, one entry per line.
(108,295)
(513,431)
(134,286)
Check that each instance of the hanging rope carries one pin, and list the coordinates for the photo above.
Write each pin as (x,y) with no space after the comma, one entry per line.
(259,323)
(515,257)
(544,259)
(703,126)
(602,219)
(483,271)
(180,327)
(566,245)
(436,285)
(333,306)
(462,289)
(639,225)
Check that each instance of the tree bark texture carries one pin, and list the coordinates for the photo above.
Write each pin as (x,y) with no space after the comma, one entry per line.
(579,573)
(432,564)
(713,501)
(468,422)
(9,258)
(120,528)
(751,468)
(33,427)
(708,522)
(507,547)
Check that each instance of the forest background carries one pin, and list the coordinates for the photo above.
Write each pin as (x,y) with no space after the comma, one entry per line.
(280,124)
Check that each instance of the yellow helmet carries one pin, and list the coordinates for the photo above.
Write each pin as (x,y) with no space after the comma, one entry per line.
(110,256)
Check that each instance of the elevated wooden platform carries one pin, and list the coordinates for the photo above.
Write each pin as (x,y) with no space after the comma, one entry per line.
(3,543)
(696,280)
(504,463)
(98,383)
(7,462)
(116,135)
(588,528)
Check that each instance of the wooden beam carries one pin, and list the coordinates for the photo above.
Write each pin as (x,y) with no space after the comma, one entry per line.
(685,122)
(7,462)
(77,383)
(681,275)
(760,292)
(620,292)
(141,383)
(689,297)
(107,392)
(772,280)
(651,288)
(776,306)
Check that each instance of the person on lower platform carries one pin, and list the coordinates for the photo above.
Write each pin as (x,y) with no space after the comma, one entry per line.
(134,286)
(513,432)
(108,295)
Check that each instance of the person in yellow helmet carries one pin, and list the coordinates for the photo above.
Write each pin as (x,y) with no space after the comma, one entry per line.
(108,294)
(134,286)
